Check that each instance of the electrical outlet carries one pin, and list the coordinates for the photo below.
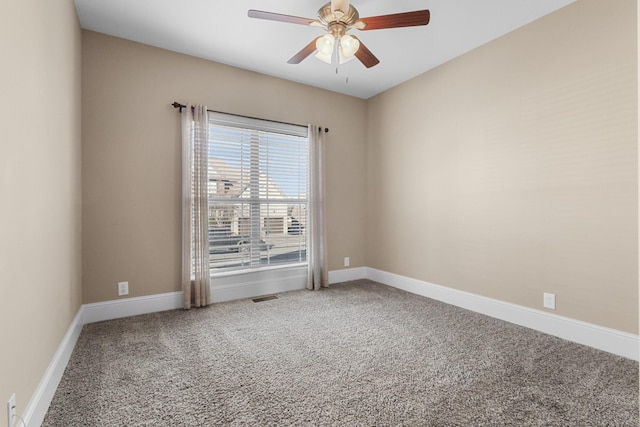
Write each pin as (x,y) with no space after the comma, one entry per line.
(11,410)
(346,261)
(549,301)
(123,288)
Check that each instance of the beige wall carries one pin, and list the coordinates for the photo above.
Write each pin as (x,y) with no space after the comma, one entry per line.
(512,170)
(40,290)
(131,157)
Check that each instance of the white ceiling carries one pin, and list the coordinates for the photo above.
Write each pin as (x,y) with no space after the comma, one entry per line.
(221,31)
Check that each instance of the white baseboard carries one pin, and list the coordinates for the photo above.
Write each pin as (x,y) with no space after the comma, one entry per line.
(38,405)
(606,339)
(125,307)
(346,275)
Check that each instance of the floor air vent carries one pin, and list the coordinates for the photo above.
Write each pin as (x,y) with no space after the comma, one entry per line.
(267,298)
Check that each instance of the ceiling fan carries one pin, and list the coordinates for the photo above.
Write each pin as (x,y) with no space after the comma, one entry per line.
(337,18)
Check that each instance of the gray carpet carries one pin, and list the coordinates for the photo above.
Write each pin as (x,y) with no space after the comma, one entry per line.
(356,354)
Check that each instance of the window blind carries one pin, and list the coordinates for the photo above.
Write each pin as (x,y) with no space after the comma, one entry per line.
(258,187)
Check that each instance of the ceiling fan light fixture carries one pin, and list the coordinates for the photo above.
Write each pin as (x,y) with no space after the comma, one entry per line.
(349,45)
(324,47)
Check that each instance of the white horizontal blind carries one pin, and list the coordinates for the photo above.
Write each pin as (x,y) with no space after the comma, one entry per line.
(258,176)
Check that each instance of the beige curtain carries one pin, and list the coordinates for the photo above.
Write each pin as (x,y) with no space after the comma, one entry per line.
(316,233)
(196,279)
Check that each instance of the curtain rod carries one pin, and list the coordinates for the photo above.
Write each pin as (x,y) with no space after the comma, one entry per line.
(181,106)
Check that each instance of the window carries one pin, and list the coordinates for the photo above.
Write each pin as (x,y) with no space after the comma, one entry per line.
(258,174)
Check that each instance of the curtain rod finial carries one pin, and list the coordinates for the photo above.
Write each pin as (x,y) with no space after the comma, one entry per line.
(179,106)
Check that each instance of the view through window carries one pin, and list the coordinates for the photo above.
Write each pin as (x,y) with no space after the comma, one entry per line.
(258,176)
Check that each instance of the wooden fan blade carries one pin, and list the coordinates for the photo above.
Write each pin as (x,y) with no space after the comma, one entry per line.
(306,51)
(396,20)
(270,16)
(365,56)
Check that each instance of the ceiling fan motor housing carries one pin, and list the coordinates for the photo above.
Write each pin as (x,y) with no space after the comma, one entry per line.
(327,17)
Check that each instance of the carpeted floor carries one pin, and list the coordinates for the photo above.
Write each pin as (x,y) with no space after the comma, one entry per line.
(356,354)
